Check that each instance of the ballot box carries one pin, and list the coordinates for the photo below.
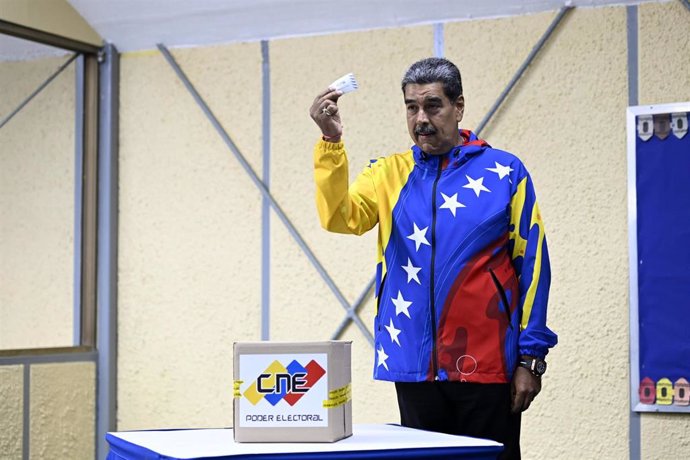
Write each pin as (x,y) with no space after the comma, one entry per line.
(292,391)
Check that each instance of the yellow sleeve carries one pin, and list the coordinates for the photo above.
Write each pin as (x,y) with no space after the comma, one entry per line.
(343,208)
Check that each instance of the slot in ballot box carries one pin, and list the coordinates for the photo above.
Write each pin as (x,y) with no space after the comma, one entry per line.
(292,391)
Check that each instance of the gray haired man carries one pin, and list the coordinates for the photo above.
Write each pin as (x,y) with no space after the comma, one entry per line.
(463,268)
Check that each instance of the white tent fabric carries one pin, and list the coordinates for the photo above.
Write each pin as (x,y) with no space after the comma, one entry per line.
(134,25)
(137,25)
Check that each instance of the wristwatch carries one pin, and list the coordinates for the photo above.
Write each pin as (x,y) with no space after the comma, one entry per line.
(536,366)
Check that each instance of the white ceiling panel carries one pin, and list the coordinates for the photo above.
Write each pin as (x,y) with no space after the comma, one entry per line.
(140,24)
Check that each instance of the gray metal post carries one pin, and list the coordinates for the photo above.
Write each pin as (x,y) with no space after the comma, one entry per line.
(26,419)
(78,197)
(106,336)
(634,428)
(262,188)
(530,57)
(265,204)
(438,40)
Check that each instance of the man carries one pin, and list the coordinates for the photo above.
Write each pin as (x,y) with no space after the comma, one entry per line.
(463,269)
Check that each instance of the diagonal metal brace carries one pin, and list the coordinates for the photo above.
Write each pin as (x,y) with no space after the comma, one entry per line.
(353,311)
(41,87)
(530,57)
(686,3)
(263,189)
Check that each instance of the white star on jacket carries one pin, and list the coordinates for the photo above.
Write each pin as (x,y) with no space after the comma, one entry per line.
(501,170)
(411,271)
(419,237)
(401,305)
(476,184)
(382,357)
(451,203)
(394,333)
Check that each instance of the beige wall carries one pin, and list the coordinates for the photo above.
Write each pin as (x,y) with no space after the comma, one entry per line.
(61,411)
(190,219)
(664,67)
(11,410)
(54,16)
(37,197)
(62,414)
(664,57)
(190,235)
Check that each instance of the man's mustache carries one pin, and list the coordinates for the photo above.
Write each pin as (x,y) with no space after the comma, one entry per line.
(424,130)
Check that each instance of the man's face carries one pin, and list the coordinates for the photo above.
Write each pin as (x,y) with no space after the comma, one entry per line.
(432,118)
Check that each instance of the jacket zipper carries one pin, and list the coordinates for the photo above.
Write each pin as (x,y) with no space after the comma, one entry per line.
(432,301)
(502,293)
(378,300)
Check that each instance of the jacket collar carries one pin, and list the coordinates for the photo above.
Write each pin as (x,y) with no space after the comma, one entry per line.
(471,145)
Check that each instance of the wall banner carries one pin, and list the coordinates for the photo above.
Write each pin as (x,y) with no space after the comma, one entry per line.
(659,228)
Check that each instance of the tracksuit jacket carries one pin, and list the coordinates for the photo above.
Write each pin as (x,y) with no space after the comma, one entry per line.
(463,275)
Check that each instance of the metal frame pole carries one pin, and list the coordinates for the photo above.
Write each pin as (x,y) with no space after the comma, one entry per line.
(265,205)
(26,412)
(634,425)
(438,40)
(89,204)
(108,177)
(78,192)
(530,57)
(263,189)
(47,38)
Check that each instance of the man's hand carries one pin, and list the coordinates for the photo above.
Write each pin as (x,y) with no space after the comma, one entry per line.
(524,388)
(324,112)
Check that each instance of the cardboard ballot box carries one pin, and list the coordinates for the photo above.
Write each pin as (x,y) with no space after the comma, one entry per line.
(292,391)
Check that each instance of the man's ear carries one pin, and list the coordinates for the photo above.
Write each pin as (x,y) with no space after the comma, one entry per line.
(459,108)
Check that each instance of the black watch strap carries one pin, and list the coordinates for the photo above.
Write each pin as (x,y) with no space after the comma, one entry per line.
(536,366)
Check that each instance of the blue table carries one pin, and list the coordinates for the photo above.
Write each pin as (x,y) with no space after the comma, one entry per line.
(366,442)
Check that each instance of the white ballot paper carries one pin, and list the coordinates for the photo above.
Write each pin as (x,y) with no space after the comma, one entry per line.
(345,84)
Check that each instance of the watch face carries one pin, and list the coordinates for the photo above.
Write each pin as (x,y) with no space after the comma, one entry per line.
(540,367)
